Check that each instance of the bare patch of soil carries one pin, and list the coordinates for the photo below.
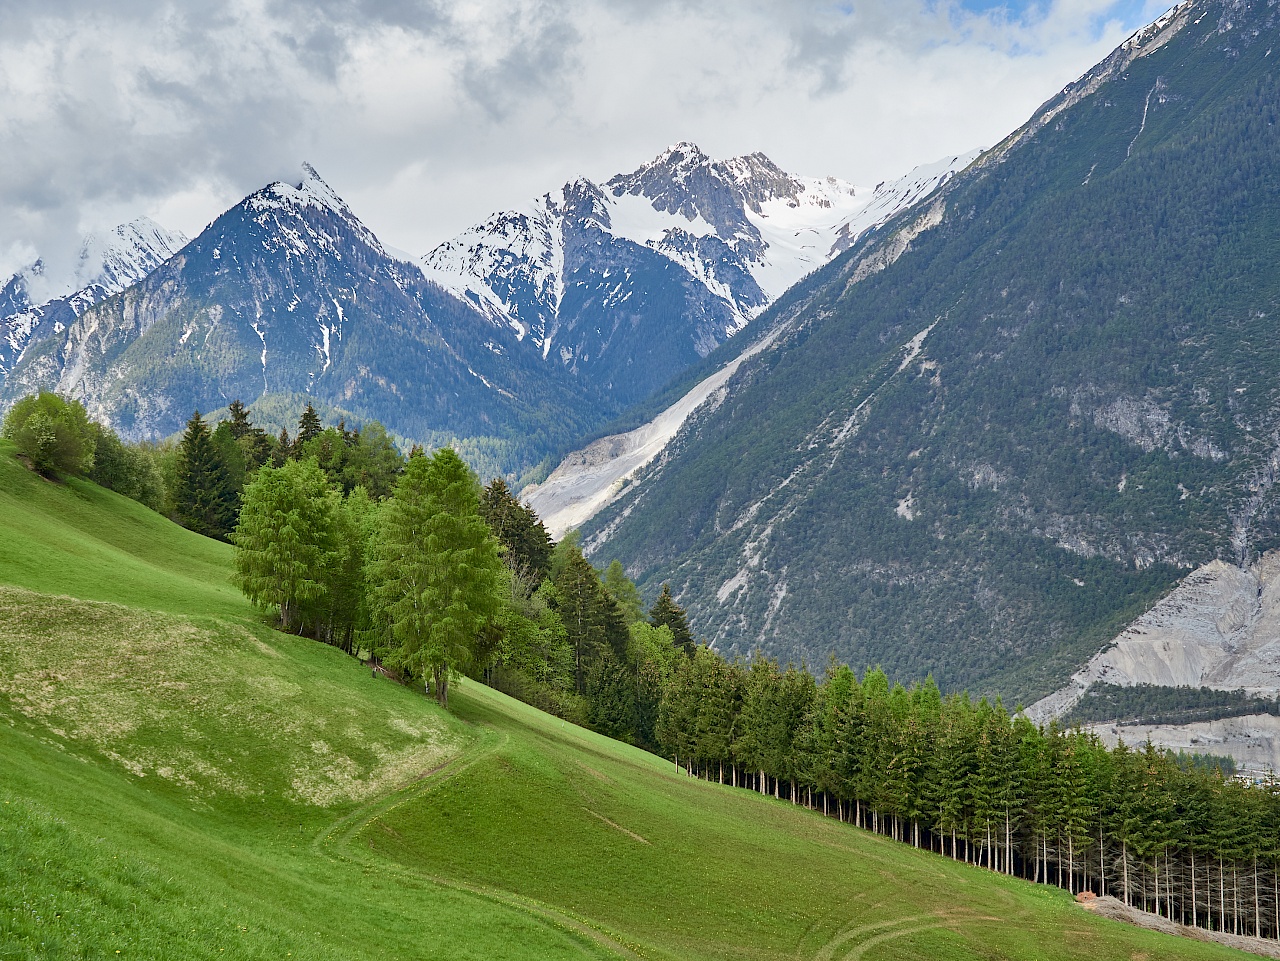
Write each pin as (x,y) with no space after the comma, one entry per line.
(1117,910)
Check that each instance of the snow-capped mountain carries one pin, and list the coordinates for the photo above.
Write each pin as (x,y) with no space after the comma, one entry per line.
(521,336)
(628,282)
(288,293)
(37,299)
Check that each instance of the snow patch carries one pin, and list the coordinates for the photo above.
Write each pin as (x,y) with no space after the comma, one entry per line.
(588,480)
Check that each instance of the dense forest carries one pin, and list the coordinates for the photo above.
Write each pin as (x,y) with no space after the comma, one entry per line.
(408,564)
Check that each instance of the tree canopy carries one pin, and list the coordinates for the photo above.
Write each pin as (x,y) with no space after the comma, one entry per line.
(436,570)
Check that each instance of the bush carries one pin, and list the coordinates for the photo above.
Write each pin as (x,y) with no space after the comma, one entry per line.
(54,434)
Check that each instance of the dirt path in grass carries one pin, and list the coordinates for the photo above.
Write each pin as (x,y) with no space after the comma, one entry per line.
(340,840)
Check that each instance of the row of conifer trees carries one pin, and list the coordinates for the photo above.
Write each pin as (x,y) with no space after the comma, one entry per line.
(968,780)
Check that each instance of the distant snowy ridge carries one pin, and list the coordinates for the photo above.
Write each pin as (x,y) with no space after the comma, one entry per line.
(742,229)
(105,264)
(795,225)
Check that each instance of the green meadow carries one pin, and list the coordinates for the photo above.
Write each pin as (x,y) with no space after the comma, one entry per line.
(178,781)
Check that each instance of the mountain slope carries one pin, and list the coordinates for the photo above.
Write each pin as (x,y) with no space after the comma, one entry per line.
(995,431)
(181,782)
(33,302)
(627,283)
(288,292)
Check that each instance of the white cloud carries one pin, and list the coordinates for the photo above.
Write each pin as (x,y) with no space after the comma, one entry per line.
(426,116)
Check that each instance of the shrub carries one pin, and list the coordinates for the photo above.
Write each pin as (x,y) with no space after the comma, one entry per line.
(53,433)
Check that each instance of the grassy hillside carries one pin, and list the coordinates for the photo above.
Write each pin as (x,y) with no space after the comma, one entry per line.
(180,782)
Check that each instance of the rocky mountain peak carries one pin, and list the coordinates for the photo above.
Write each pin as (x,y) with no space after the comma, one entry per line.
(125,254)
(326,220)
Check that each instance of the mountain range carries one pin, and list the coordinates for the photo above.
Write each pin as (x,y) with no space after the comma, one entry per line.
(998,428)
(513,340)
(628,282)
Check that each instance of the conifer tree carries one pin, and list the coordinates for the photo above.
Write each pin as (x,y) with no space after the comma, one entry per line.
(624,593)
(253,441)
(581,605)
(283,450)
(519,530)
(309,426)
(204,498)
(666,612)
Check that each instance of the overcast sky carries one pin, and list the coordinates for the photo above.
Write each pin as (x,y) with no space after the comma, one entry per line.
(426,115)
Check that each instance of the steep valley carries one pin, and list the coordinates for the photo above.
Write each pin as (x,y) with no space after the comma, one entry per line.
(1001,427)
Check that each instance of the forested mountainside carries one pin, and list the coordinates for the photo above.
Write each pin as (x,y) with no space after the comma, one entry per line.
(997,429)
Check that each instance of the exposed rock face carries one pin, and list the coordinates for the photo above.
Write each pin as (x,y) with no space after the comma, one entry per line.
(289,293)
(36,304)
(1220,628)
(1252,740)
(1005,424)
(592,478)
(628,282)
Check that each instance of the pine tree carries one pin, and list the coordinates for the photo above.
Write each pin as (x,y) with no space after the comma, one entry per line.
(204,498)
(519,530)
(309,426)
(666,612)
(436,568)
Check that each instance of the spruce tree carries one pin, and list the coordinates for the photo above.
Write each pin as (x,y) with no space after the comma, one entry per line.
(204,498)
(666,612)
(283,450)
(580,603)
(253,441)
(309,426)
(519,530)
(239,419)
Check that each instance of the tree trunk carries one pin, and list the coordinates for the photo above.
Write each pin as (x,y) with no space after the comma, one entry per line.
(1194,923)
(1124,864)
(1257,909)
(1222,894)
(1102,863)
(442,686)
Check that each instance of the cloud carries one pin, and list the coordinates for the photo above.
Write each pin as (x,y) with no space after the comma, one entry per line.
(428,115)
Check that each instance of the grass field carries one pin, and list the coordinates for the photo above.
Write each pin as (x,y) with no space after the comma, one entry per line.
(180,782)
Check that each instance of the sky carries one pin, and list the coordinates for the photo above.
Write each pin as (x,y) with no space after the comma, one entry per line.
(427,115)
